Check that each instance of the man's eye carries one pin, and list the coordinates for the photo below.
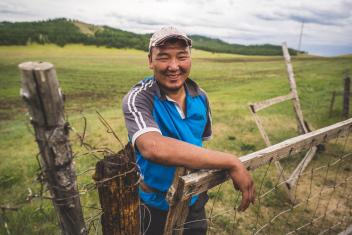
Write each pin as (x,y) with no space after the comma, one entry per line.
(183,57)
(162,58)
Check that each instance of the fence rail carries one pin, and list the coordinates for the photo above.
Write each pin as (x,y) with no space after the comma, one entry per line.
(198,182)
(321,195)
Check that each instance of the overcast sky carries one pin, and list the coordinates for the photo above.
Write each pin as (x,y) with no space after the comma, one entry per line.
(327,23)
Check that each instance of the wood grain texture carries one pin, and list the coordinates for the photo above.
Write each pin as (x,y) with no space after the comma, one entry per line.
(259,125)
(269,102)
(178,210)
(198,182)
(117,178)
(42,95)
(292,81)
(302,166)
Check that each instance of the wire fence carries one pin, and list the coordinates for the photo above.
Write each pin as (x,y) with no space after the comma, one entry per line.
(322,194)
(88,161)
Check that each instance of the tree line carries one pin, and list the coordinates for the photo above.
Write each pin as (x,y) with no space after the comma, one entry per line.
(63,31)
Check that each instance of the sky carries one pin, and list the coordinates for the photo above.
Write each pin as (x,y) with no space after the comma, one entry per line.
(327,27)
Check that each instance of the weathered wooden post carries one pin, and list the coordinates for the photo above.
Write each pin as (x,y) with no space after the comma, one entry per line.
(117,181)
(292,81)
(42,95)
(346,96)
(178,210)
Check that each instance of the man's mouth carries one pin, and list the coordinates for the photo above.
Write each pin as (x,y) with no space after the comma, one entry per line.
(173,75)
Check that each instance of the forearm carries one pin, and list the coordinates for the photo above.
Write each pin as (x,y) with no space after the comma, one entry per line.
(169,151)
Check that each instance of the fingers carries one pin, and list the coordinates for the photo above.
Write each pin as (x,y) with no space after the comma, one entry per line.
(248,196)
(243,181)
(253,194)
(245,200)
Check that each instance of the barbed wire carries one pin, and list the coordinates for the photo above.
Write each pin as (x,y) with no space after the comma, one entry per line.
(321,214)
(329,191)
(98,153)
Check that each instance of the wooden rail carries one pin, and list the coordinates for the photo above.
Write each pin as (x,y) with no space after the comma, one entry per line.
(201,181)
(269,102)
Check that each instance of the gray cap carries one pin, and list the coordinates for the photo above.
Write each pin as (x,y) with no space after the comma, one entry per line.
(166,33)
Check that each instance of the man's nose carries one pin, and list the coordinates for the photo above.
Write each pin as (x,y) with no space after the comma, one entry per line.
(173,65)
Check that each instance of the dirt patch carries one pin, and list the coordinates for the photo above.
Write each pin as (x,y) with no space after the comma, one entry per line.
(10,109)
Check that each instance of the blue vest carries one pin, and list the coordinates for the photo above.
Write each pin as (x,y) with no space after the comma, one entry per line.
(168,117)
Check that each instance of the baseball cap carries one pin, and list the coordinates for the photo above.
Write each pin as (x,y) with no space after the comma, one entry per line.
(160,36)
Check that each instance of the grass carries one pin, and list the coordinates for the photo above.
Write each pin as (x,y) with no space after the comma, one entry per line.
(95,78)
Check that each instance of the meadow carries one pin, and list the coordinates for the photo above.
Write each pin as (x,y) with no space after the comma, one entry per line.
(96,79)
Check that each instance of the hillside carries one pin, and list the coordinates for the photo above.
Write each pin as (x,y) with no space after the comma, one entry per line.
(63,31)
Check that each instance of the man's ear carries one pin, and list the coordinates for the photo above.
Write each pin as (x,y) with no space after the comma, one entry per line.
(150,61)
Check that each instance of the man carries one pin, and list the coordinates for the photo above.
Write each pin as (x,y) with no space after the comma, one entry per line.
(167,117)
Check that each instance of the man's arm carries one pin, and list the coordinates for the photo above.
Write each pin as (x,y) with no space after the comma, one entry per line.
(168,151)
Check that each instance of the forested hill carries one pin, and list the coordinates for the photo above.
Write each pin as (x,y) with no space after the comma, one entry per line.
(63,31)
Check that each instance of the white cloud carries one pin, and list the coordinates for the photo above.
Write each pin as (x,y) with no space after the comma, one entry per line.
(248,22)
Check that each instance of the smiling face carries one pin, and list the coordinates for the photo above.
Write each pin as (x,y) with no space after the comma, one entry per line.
(171,64)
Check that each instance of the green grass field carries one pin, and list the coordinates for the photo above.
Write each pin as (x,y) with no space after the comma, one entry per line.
(95,79)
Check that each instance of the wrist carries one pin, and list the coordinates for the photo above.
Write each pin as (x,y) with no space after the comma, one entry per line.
(235,164)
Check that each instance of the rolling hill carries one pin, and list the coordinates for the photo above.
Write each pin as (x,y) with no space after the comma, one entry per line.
(62,31)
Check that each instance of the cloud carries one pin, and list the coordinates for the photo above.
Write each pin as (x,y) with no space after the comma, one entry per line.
(10,9)
(314,14)
(240,21)
(136,19)
(9,12)
(213,12)
(299,17)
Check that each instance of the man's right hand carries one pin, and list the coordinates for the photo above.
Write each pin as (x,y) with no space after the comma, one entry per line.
(172,152)
(243,182)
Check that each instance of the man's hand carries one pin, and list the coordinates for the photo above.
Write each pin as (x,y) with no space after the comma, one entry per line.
(242,181)
(172,152)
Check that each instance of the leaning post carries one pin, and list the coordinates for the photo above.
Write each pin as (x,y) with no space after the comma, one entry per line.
(293,87)
(43,98)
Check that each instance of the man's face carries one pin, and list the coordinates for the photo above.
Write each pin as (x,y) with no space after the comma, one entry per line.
(171,64)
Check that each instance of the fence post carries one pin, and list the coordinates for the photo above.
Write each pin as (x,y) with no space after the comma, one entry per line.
(293,87)
(346,96)
(117,181)
(178,210)
(42,95)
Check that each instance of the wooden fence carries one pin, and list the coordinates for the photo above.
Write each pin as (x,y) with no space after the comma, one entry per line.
(116,176)
(346,94)
(41,92)
(301,124)
(187,185)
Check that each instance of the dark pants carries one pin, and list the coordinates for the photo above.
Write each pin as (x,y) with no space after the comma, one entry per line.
(157,218)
